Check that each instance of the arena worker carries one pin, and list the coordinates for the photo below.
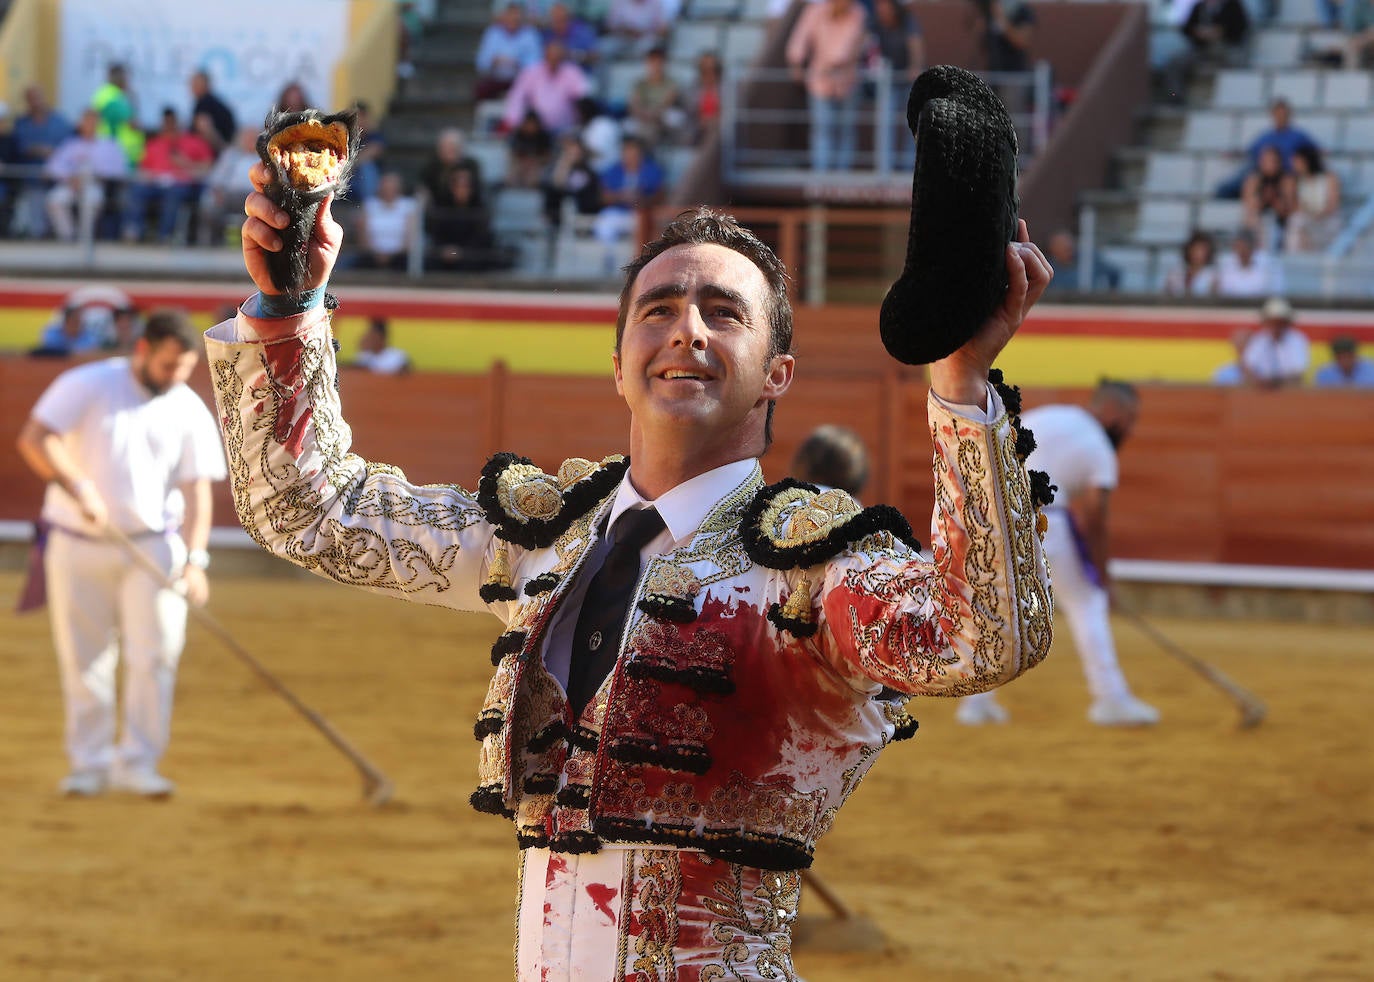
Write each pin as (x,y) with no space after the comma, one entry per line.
(123,443)
(1077,447)
(696,669)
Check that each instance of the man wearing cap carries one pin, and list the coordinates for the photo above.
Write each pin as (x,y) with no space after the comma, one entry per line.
(1278,353)
(1346,368)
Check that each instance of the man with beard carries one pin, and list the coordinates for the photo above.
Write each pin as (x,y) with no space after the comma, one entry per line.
(125,447)
(1077,448)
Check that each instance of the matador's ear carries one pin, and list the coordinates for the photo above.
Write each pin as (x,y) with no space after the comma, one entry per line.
(963,214)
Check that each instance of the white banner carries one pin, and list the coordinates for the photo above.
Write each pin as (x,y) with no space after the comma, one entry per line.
(251,49)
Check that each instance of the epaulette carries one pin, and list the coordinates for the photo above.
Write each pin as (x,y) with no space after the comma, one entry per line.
(532,509)
(794,525)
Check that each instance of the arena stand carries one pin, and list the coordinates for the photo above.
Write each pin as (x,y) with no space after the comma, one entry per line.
(1165,185)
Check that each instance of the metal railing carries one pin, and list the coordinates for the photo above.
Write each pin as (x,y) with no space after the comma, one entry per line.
(765,127)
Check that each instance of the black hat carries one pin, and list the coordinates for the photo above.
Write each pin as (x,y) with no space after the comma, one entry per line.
(963,214)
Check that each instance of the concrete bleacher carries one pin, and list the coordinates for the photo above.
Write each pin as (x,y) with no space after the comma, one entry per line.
(1167,188)
(733,29)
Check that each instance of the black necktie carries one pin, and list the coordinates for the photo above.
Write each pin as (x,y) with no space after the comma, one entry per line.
(596,640)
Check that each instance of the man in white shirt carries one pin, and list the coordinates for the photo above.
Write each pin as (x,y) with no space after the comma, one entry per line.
(1246,271)
(696,670)
(388,225)
(79,168)
(1277,355)
(124,445)
(1077,448)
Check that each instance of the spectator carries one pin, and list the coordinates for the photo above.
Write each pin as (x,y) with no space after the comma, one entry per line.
(388,225)
(39,131)
(79,168)
(114,105)
(226,186)
(600,133)
(551,87)
(1315,219)
(460,233)
(633,27)
(36,134)
(376,354)
(1062,249)
(898,42)
(367,171)
(1276,356)
(655,106)
(1233,372)
(1197,277)
(447,156)
(71,333)
(508,46)
(412,25)
(531,146)
(826,42)
(211,119)
(571,177)
(703,102)
(634,182)
(1357,20)
(832,457)
(1009,30)
(126,327)
(1267,198)
(174,164)
(578,38)
(292,98)
(1283,135)
(1215,31)
(1346,368)
(1247,272)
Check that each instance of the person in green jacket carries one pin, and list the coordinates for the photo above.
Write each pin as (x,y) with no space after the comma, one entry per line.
(117,117)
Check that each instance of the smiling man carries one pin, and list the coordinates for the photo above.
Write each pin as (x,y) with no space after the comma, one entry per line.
(697,670)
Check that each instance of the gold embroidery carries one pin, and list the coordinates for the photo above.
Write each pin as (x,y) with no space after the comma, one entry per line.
(658,898)
(672,580)
(759,931)
(1028,589)
(526,492)
(798,516)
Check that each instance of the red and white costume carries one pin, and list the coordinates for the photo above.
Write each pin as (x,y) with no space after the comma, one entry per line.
(762,667)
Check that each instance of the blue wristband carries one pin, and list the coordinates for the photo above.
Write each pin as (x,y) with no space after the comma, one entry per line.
(283,305)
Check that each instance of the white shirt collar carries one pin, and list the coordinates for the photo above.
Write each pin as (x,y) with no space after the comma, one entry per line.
(686,506)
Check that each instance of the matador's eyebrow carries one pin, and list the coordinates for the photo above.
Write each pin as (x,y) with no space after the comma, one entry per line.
(676,291)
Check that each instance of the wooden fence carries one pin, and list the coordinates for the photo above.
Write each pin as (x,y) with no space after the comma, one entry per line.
(1212,475)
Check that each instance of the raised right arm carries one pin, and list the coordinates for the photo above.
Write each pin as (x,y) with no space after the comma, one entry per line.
(303,496)
(298,490)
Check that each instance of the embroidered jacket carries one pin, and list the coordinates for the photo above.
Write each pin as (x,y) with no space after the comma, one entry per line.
(763,663)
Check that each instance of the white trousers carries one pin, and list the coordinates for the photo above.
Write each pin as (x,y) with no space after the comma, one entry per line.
(1086,606)
(88,202)
(104,605)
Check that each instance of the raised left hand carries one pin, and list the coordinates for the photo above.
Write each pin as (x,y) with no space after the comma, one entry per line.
(962,377)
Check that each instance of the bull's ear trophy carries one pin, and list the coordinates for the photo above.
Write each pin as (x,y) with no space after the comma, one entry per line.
(311,156)
(963,213)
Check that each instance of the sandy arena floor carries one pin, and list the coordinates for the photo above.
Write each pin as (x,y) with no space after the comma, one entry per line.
(1044,850)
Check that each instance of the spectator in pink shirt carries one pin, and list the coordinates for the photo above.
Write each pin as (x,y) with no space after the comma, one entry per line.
(173,166)
(824,49)
(551,87)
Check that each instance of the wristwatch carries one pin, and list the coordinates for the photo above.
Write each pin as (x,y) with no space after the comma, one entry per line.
(198,558)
